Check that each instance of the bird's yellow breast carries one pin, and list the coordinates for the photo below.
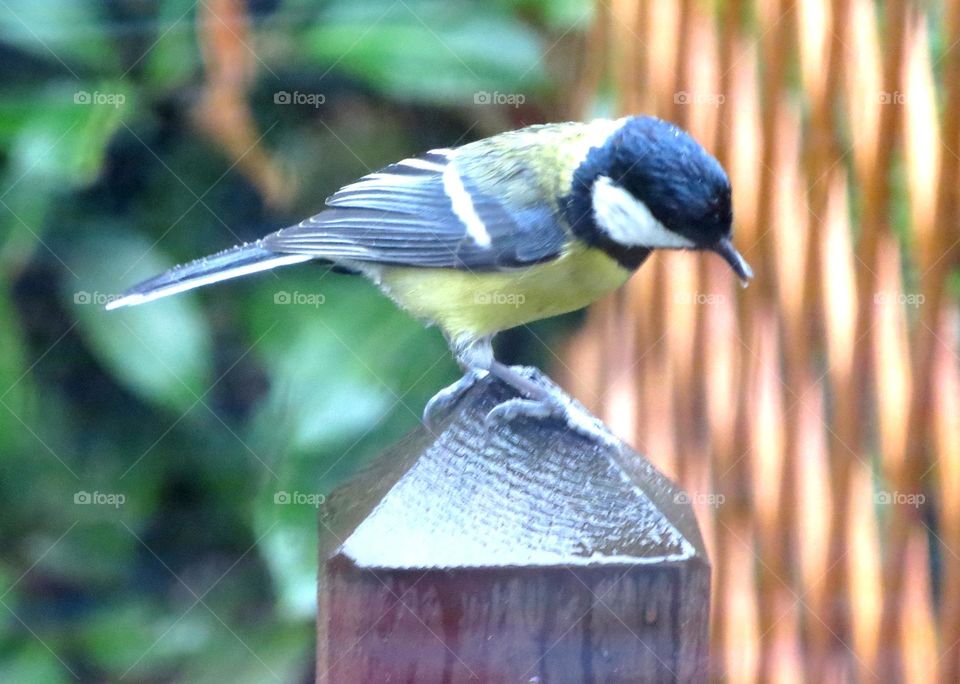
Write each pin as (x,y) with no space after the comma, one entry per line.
(469,305)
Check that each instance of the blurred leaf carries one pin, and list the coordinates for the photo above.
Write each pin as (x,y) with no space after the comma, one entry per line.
(290,549)
(13,380)
(161,351)
(66,32)
(119,637)
(317,405)
(39,470)
(428,50)
(99,550)
(60,143)
(559,15)
(174,57)
(33,662)
(322,390)
(263,652)
(62,136)
(134,640)
(94,134)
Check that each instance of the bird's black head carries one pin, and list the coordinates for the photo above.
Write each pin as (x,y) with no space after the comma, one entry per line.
(684,188)
(652,186)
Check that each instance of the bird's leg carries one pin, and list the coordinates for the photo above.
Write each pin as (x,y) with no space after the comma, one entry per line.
(542,401)
(475,358)
(537,400)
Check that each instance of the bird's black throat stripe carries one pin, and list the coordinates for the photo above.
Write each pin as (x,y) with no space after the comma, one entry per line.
(577,207)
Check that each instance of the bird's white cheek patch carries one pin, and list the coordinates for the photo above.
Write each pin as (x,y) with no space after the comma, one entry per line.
(628,221)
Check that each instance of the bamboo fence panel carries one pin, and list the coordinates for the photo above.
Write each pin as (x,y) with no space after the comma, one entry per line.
(815,416)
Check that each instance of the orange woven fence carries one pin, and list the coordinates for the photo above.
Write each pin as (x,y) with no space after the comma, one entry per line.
(814,417)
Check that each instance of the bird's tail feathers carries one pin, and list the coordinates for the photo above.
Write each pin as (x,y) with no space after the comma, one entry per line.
(231,263)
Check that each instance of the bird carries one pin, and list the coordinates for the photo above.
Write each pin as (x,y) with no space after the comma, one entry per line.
(497,233)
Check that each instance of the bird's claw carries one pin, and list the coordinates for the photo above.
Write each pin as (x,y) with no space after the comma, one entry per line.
(570,414)
(508,410)
(442,403)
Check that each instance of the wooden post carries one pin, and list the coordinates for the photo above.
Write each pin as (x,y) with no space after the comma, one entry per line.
(524,553)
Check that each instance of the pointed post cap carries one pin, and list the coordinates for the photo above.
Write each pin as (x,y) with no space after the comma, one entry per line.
(528,493)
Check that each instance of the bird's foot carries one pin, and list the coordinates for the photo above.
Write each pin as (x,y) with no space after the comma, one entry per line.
(442,403)
(553,406)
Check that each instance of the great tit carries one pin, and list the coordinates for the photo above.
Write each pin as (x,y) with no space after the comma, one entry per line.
(501,232)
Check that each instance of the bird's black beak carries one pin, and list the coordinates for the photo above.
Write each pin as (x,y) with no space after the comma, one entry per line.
(729,253)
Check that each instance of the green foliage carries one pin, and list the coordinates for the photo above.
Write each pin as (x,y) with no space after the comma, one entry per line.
(449,59)
(68,31)
(173,61)
(162,352)
(142,451)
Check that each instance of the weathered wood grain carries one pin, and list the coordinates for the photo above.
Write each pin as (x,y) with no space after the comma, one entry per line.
(524,553)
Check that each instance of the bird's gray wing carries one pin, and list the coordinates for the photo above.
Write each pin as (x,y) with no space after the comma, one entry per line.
(435,211)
